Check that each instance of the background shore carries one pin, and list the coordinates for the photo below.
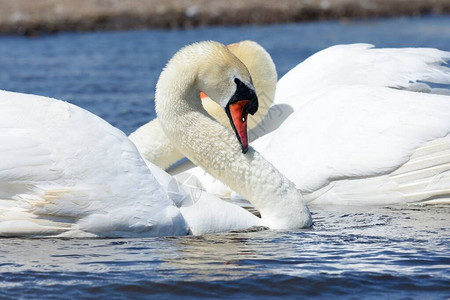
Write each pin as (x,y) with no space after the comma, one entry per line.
(32,17)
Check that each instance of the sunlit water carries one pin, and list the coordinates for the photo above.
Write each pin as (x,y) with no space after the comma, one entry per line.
(387,252)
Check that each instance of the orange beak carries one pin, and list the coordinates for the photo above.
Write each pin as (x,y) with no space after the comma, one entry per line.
(238,110)
(237,113)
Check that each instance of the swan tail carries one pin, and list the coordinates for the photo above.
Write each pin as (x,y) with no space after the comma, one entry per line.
(42,212)
(425,178)
(18,221)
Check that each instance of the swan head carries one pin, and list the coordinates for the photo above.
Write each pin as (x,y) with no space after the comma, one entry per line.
(211,68)
(264,75)
(227,81)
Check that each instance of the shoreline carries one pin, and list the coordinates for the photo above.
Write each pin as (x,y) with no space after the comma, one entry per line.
(33,17)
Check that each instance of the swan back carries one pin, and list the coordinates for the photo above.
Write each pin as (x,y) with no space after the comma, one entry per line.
(63,163)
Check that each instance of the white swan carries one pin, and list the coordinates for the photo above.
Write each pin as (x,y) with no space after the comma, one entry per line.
(186,123)
(347,128)
(358,133)
(66,172)
(156,147)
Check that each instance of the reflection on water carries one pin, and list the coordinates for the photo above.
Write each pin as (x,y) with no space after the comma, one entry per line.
(396,252)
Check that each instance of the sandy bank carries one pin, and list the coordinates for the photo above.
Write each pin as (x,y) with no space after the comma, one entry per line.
(35,16)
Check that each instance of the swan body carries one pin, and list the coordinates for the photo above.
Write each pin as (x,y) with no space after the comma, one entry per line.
(67,172)
(357,125)
(357,161)
(46,171)
(367,132)
(156,147)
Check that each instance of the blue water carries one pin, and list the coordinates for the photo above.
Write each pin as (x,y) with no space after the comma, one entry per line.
(351,252)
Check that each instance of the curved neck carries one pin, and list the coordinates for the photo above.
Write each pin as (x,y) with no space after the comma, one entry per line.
(211,146)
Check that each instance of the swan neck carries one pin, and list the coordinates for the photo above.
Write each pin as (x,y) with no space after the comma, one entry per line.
(214,148)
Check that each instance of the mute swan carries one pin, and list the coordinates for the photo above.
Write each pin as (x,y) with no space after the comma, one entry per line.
(359,134)
(355,133)
(156,147)
(186,123)
(67,172)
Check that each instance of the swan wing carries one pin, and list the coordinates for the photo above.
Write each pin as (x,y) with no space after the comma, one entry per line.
(362,64)
(66,171)
(358,132)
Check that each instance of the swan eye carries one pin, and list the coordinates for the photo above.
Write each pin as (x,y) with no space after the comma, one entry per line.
(237,81)
(243,119)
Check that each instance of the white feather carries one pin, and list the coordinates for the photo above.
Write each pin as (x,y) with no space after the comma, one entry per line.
(358,133)
(67,172)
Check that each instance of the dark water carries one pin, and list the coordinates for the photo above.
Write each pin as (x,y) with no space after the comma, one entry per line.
(396,252)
